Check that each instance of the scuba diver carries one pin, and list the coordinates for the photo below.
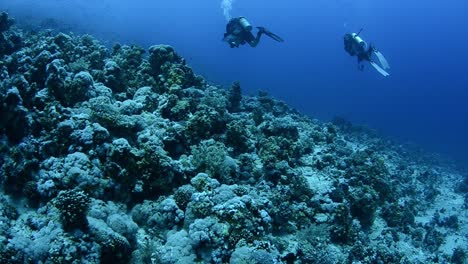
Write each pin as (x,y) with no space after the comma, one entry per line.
(356,46)
(239,32)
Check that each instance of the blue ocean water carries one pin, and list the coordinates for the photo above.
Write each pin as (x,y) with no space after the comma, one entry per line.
(423,101)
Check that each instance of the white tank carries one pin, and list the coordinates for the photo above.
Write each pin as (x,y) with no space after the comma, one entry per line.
(359,40)
(245,24)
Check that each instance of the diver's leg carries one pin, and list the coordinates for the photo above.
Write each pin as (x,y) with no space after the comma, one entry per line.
(254,41)
(270,34)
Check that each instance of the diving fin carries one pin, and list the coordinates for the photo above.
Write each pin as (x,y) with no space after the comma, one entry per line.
(270,34)
(380,70)
(382,60)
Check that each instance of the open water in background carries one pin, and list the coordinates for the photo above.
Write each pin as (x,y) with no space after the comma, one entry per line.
(424,101)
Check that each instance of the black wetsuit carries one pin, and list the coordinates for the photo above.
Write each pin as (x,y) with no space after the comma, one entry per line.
(237,35)
(355,49)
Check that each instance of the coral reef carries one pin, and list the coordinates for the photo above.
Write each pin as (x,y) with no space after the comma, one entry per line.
(125,155)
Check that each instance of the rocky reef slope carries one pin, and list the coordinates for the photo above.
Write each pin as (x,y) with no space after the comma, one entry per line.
(126,156)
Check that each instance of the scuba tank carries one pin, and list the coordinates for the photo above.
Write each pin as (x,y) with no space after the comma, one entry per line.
(359,41)
(245,24)
(356,46)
